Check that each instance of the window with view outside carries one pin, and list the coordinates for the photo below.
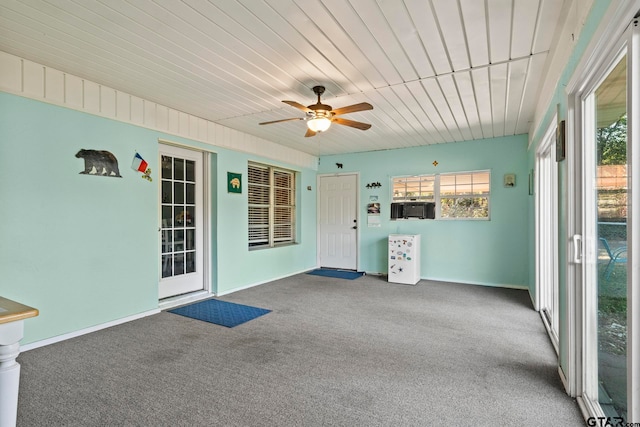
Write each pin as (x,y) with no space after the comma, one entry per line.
(465,195)
(414,188)
(460,195)
(271,198)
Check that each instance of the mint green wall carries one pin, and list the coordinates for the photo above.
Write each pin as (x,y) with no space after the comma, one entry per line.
(84,249)
(491,252)
(239,266)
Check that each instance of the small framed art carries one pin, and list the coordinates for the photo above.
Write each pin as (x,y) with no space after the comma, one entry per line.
(509,179)
(234,182)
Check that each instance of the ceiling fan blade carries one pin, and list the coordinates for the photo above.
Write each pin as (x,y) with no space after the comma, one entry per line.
(351,123)
(299,106)
(279,121)
(352,108)
(309,133)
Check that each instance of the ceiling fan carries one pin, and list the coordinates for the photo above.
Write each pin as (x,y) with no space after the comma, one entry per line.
(320,116)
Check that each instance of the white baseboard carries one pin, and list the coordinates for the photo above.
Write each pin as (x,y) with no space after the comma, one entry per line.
(196,297)
(487,284)
(240,288)
(169,303)
(80,332)
(467,282)
(564,380)
(533,301)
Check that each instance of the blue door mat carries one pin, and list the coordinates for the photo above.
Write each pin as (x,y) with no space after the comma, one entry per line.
(222,313)
(339,274)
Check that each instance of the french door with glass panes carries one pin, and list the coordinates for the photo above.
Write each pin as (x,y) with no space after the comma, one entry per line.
(181,221)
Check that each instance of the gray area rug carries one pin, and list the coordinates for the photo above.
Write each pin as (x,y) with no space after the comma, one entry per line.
(332,352)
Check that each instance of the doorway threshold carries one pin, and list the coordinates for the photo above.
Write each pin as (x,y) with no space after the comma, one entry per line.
(171,302)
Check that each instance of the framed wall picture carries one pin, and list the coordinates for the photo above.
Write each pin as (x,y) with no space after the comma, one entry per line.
(234,182)
(561,135)
(509,179)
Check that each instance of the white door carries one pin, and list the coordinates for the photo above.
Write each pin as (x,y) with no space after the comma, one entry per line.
(338,221)
(181,221)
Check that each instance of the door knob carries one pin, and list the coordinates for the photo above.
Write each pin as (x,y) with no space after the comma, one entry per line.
(355,227)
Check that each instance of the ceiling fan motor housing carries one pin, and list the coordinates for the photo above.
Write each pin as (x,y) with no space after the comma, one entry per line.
(318,90)
(321,110)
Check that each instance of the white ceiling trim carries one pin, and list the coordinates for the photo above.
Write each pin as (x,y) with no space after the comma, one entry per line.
(36,81)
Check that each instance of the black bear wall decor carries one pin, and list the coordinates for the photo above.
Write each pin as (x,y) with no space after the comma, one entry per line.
(104,163)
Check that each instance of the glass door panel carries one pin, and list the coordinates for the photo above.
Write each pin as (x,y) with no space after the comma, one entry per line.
(181,222)
(606,269)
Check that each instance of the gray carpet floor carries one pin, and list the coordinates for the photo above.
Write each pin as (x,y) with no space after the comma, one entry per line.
(332,352)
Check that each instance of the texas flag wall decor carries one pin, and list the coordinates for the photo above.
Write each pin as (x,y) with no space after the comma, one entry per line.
(140,165)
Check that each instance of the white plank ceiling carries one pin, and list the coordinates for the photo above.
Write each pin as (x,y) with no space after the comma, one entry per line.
(436,71)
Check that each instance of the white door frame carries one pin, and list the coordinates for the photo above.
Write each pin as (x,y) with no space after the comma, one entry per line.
(607,43)
(633,227)
(207,262)
(358,221)
(546,230)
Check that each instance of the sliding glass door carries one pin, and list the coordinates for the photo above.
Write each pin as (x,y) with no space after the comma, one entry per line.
(608,291)
(546,200)
(606,231)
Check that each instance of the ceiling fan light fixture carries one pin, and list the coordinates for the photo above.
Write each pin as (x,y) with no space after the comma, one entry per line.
(319,124)
(319,116)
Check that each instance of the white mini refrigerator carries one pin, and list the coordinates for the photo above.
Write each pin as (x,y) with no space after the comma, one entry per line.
(404,258)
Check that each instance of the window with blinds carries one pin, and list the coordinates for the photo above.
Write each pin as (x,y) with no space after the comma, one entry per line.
(271,206)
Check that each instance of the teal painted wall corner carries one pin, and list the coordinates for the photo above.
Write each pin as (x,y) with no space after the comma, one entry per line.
(493,253)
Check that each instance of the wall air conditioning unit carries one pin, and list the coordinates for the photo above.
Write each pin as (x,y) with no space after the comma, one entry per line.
(418,210)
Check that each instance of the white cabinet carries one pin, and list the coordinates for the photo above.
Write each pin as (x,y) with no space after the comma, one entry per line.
(404,258)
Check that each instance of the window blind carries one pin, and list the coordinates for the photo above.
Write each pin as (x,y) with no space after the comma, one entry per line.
(271,205)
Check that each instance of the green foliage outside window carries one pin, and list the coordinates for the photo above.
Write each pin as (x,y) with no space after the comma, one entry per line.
(612,143)
(476,207)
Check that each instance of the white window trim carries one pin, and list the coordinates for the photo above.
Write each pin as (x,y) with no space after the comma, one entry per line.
(468,196)
(437,198)
(417,199)
(271,213)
